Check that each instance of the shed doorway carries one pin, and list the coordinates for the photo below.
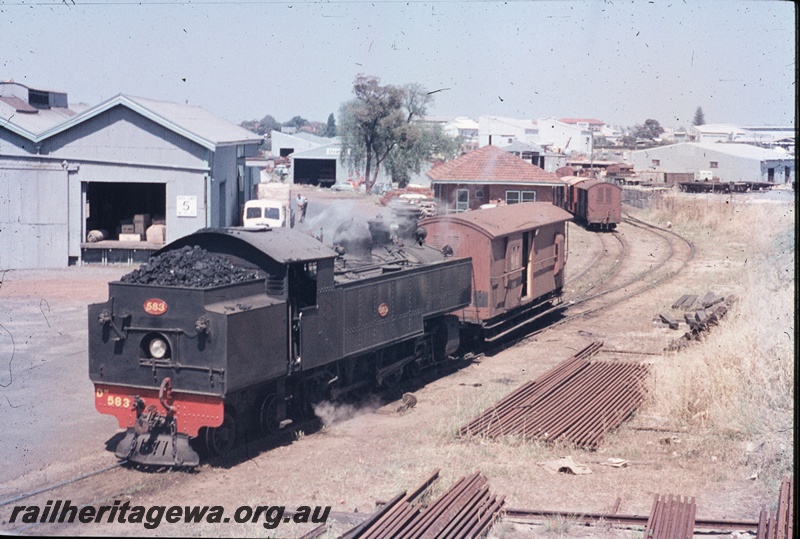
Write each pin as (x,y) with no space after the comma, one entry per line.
(112,206)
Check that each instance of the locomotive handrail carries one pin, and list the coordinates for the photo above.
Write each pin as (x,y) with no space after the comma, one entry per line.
(148,362)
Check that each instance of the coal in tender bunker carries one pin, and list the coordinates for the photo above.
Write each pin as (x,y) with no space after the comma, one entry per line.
(190,266)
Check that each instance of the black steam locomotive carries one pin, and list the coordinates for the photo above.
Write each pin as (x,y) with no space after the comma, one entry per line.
(230,329)
(302,324)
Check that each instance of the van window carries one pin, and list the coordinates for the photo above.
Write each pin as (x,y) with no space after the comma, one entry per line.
(272,213)
(253,213)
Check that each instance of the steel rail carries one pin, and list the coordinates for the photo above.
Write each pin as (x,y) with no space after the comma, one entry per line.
(638,223)
(534,515)
(63,483)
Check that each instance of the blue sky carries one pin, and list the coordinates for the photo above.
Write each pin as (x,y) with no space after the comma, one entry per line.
(621,62)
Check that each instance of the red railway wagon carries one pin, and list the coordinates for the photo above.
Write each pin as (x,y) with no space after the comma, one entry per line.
(518,256)
(594,203)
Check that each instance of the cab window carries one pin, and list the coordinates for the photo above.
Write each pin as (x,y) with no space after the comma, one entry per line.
(253,213)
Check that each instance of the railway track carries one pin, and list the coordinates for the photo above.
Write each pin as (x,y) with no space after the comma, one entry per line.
(653,276)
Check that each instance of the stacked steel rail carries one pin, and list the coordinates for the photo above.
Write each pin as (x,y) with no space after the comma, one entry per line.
(671,518)
(575,402)
(466,509)
(780,524)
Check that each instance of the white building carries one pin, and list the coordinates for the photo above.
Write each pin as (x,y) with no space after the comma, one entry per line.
(284,144)
(729,162)
(563,137)
(499,131)
(465,128)
(552,134)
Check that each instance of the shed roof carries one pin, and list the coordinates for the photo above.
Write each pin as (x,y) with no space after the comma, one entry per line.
(190,121)
(746,151)
(490,164)
(504,220)
(742,150)
(20,117)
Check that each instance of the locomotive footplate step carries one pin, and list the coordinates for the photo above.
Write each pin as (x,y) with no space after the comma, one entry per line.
(157,449)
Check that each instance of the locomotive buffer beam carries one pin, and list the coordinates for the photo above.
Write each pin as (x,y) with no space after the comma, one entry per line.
(157,448)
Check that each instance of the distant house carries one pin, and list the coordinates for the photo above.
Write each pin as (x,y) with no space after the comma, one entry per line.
(553,135)
(586,124)
(499,131)
(465,128)
(714,133)
(566,138)
(115,167)
(489,175)
(728,162)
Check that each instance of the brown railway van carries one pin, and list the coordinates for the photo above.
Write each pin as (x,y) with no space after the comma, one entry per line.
(518,256)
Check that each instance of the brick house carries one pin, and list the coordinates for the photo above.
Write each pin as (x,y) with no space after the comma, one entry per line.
(487,175)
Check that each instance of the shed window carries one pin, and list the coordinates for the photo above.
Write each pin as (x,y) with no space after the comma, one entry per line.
(713,164)
(656,162)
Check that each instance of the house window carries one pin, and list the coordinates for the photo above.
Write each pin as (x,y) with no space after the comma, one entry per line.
(515,197)
(462,200)
(713,164)
(656,162)
(479,194)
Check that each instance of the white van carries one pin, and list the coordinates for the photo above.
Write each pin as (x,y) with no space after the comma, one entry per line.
(271,213)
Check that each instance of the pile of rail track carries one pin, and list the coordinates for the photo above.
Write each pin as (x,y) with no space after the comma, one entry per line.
(671,517)
(576,402)
(466,509)
(779,525)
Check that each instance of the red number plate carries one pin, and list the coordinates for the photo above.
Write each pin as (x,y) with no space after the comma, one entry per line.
(155,306)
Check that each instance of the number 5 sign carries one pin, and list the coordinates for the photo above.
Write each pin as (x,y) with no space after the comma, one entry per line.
(187,206)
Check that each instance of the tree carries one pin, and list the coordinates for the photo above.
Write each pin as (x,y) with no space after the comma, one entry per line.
(297,122)
(409,155)
(699,117)
(651,130)
(263,126)
(268,124)
(380,121)
(330,130)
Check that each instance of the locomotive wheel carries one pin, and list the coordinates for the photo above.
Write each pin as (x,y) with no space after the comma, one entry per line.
(269,416)
(413,370)
(391,381)
(219,440)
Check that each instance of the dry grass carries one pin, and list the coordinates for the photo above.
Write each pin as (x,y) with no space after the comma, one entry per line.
(739,383)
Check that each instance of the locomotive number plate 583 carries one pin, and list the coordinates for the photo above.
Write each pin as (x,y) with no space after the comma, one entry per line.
(155,306)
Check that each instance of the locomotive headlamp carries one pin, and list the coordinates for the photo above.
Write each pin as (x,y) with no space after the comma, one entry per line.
(158,348)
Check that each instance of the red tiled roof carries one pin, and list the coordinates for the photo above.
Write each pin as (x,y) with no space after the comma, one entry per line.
(590,121)
(490,163)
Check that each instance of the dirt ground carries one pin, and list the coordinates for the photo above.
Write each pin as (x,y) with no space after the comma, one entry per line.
(371,452)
